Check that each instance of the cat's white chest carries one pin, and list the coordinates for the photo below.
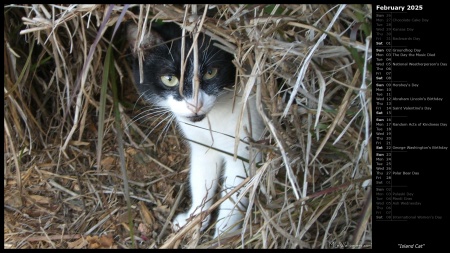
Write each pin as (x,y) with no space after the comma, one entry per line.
(212,143)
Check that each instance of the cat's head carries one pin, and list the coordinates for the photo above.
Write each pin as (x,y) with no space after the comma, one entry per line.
(161,49)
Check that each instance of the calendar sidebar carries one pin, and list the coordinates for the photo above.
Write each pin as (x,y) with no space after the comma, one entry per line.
(410,129)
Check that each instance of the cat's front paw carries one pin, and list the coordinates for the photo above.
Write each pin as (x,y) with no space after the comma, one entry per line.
(179,221)
(182,219)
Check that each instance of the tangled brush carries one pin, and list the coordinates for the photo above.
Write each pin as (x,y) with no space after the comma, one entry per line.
(83,169)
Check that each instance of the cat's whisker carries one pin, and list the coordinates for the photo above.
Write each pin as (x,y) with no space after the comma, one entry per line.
(160,120)
(159,123)
(145,96)
(209,58)
(205,55)
(170,51)
(137,119)
(167,120)
(215,61)
(149,112)
(152,111)
(141,95)
(132,121)
(165,130)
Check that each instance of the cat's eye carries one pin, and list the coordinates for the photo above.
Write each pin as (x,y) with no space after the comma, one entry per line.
(169,80)
(210,73)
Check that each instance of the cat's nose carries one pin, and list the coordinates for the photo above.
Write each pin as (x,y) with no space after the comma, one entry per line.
(195,107)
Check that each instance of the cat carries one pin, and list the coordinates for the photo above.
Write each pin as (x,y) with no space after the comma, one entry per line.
(208,124)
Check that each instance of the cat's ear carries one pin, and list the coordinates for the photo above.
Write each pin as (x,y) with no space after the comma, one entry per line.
(150,39)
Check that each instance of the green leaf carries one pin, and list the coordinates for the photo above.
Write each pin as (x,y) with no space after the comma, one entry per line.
(269,8)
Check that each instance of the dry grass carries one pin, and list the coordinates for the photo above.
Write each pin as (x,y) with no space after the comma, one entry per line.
(73,128)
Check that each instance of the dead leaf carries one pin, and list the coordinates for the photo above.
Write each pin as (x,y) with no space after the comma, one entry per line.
(146,214)
(78,244)
(93,242)
(102,242)
(40,199)
(106,241)
(108,162)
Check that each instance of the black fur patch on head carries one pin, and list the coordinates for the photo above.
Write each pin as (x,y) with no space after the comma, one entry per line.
(162,57)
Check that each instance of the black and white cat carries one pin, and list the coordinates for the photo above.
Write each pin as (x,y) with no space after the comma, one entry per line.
(209,124)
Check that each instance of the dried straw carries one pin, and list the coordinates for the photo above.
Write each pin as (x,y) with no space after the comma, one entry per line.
(307,64)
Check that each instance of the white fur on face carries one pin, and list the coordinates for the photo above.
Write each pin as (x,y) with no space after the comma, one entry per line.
(185,108)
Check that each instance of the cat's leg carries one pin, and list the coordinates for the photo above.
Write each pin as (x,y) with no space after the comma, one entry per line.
(203,178)
(231,212)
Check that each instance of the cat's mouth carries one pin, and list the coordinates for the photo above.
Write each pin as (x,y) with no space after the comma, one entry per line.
(196,118)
